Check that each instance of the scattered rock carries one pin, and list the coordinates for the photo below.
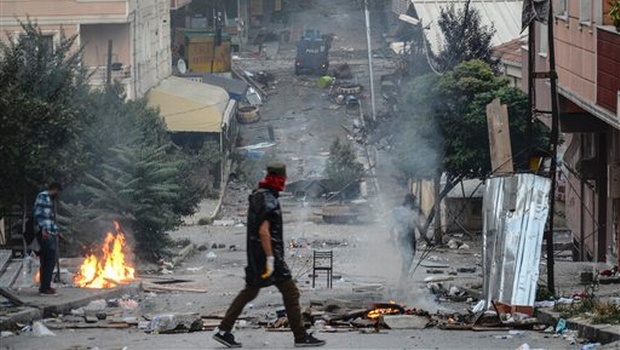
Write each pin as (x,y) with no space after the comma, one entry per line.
(452,244)
(96,305)
(405,321)
(176,323)
(454,291)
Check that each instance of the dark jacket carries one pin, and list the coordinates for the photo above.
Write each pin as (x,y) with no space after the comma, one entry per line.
(264,205)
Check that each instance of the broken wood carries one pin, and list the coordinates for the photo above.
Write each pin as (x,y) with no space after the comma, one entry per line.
(87,325)
(11,297)
(151,287)
(278,330)
(499,138)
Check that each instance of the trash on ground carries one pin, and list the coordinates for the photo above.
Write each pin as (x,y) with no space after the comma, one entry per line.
(40,330)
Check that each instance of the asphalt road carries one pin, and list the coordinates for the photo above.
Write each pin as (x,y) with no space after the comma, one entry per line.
(304,127)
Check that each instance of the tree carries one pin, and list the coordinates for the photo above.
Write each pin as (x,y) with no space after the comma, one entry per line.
(135,174)
(465,38)
(447,131)
(137,188)
(114,157)
(40,92)
(343,168)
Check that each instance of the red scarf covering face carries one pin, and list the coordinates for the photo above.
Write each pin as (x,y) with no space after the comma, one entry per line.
(273,181)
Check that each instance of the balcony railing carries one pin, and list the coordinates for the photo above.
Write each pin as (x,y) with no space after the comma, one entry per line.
(98,74)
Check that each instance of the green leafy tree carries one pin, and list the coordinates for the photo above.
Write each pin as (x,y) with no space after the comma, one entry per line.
(136,174)
(447,131)
(343,168)
(138,188)
(41,89)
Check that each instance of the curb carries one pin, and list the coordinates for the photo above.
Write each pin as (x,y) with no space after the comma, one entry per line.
(36,312)
(183,254)
(603,333)
(23,316)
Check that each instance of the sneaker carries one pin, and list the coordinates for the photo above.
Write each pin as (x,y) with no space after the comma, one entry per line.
(309,342)
(227,339)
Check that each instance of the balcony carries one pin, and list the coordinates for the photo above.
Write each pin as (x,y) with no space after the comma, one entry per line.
(120,73)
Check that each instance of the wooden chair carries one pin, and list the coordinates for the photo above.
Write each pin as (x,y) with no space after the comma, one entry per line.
(322,261)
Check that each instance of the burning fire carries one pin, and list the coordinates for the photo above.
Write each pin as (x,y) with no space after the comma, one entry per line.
(384,310)
(111,269)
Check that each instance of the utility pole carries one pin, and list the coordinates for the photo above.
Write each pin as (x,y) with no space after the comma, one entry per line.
(370,70)
(552,75)
(555,138)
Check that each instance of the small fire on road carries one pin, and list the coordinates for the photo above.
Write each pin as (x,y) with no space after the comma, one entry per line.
(111,268)
(390,308)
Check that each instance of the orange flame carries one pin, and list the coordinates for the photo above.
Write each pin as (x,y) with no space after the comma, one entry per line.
(111,269)
(378,312)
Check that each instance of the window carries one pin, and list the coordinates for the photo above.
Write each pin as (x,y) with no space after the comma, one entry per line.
(560,8)
(588,144)
(585,11)
(47,42)
(543,40)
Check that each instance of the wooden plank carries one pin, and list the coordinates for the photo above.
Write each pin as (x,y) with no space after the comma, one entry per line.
(87,325)
(5,257)
(7,294)
(150,287)
(499,138)
(11,273)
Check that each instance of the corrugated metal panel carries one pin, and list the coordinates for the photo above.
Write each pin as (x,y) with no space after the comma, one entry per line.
(515,211)
(504,15)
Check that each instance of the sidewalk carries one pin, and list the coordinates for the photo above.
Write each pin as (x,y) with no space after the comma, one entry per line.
(602,333)
(37,306)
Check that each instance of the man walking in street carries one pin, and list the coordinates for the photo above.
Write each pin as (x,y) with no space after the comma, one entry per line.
(266,266)
(47,234)
(405,220)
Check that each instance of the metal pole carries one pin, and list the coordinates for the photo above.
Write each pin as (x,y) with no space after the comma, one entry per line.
(555,135)
(531,88)
(370,71)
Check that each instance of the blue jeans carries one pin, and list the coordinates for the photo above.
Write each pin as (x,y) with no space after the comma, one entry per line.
(47,259)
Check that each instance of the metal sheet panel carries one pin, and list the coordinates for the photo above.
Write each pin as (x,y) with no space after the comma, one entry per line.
(504,15)
(515,212)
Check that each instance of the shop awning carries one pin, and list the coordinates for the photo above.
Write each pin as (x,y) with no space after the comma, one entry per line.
(188,106)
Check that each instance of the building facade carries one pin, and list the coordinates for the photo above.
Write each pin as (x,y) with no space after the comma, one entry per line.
(139,33)
(587,62)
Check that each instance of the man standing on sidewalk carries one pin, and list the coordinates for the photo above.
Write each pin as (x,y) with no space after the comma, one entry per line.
(266,266)
(47,234)
(405,220)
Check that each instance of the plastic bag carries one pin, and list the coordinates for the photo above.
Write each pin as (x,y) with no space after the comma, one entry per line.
(30,271)
(39,330)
